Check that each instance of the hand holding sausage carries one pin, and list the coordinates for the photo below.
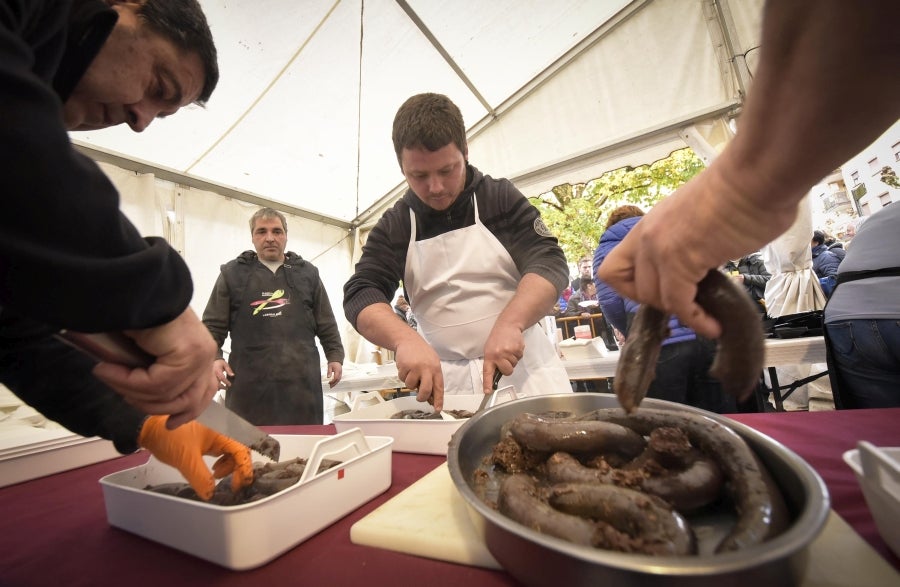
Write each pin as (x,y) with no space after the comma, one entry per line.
(697,228)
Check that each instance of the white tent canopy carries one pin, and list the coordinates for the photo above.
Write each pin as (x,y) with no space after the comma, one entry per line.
(553,92)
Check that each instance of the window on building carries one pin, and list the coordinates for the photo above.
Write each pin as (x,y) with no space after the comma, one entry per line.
(866,209)
(855,177)
(874,166)
(896,149)
(884,198)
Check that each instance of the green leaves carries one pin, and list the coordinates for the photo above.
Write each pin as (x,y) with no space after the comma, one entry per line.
(577,213)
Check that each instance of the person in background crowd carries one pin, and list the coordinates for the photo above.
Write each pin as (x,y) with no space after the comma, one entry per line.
(85,65)
(274,305)
(750,272)
(682,371)
(825,263)
(587,292)
(850,230)
(835,246)
(862,318)
(562,304)
(795,128)
(584,272)
(478,264)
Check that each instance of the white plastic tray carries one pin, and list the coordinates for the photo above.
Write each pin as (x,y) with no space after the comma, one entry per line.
(372,414)
(582,349)
(247,536)
(878,473)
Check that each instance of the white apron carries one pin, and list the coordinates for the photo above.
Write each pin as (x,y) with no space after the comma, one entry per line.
(458,283)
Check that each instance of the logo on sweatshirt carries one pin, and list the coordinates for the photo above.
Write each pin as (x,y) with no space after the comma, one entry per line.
(274,300)
(541,228)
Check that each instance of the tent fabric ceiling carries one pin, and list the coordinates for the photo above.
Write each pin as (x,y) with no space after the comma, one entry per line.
(552,92)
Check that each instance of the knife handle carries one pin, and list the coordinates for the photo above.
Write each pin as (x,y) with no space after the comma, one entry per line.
(111,347)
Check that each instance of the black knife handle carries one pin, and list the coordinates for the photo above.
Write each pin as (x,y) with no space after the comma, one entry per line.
(111,347)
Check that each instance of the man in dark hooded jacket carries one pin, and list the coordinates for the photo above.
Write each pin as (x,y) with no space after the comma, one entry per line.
(69,259)
(750,271)
(274,305)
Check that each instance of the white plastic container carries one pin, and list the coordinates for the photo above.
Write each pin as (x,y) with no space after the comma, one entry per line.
(372,414)
(583,332)
(580,349)
(249,535)
(878,473)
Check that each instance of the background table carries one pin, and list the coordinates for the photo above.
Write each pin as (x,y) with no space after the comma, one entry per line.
(779,352)
(54,529)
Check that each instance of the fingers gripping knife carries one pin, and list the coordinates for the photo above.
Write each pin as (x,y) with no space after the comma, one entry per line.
(117,348)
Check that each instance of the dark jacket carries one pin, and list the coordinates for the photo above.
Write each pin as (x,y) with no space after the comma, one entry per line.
(503,210)
(68,257)
(838,250)
(825,263)
(573,307)
(617,309)
(755,274)
(274,320)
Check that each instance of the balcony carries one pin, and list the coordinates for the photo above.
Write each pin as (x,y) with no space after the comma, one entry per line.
(835,201)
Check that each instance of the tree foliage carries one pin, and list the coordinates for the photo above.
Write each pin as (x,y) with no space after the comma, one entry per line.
(889,177)
(577,213)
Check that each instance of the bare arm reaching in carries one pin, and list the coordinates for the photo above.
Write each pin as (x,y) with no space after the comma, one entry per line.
(804,116)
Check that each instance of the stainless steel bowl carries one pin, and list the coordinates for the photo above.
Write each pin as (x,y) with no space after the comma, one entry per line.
(536,559)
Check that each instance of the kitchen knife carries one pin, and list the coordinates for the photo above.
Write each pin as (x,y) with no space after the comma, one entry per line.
(115,347)
(487,397)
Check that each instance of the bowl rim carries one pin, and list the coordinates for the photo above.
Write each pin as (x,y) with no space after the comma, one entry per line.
(808,524)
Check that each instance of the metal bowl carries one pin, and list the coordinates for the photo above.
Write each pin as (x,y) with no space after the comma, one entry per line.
(537,559)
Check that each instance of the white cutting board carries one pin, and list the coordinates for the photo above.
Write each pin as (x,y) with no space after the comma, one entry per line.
(430,519)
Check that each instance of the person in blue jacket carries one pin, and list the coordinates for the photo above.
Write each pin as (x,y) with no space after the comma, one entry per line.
(682,371)
(825,262)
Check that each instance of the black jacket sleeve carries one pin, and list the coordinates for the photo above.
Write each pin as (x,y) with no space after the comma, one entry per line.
(68,257)
(326,325)
(505,212)
(56,380)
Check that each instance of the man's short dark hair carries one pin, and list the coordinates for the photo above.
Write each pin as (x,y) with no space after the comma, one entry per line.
(431,121)
(269,213)
(183,23)
(818,237)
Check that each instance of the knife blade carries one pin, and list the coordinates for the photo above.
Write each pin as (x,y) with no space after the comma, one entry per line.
(115,347)
(494,383)
(226,422)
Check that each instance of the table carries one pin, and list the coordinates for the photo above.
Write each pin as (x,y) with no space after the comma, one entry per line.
(779,352)
(54,529)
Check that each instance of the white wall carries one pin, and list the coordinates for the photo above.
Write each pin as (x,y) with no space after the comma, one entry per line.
(209,229)
(885,150)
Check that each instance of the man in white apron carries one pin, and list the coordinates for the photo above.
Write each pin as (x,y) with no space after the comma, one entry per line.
(479,267)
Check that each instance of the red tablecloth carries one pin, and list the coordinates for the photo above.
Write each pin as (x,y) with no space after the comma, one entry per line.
(54,530)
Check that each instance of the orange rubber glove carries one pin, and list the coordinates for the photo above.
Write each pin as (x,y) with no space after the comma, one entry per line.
(184,447)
